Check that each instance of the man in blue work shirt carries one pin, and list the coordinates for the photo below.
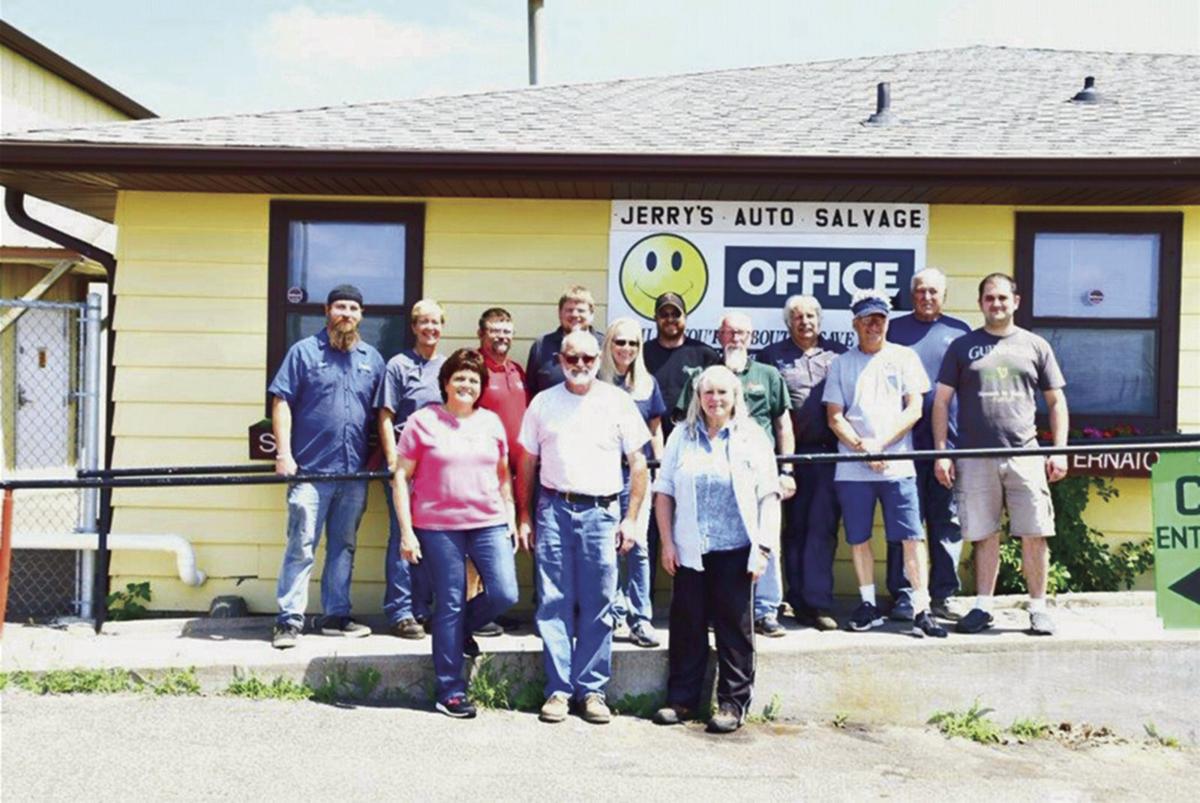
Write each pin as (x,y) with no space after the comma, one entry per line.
(323,399)
(576,308)
(929,333)
(810,534)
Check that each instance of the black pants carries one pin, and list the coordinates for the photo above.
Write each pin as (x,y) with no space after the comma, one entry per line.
(724,593)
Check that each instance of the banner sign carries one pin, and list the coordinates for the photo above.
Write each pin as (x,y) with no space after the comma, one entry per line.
(1175,482)
(749,257)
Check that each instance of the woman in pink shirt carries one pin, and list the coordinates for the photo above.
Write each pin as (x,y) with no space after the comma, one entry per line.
(459,506)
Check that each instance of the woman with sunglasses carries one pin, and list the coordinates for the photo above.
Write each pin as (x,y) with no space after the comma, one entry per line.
(621,364)
(460,506)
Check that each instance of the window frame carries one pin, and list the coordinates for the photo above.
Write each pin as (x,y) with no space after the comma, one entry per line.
(1169,228)
(283,213)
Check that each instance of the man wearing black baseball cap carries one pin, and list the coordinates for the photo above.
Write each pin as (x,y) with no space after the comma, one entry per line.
(322,406)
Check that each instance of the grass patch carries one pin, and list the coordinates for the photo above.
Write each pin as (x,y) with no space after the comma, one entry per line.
(493,686)
(75,681)
(281,688)
(972,724)
(1161,738)
(639,705)
(839,720)
(1029,729)
(177,683)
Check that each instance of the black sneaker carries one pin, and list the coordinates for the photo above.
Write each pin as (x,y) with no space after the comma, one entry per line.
(769,626)
(471,647)
(284,637)
(925,625)
(865,617)
(458,707)
(940,608)
(642,635)
(976,621)
(902,610)
(489,630)
(672,715)
(343,626)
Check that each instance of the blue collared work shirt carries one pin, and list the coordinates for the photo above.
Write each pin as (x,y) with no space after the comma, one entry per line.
(331,394)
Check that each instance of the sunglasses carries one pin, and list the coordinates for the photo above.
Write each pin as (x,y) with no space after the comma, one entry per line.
(575,359)
(619,342)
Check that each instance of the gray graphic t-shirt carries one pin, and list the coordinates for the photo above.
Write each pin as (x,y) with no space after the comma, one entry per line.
(998,380)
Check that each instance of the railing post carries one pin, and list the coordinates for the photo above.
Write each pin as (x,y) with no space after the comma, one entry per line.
(89,511)
(5,553)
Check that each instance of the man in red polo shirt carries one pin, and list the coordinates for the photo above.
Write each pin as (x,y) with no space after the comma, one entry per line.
(506,394)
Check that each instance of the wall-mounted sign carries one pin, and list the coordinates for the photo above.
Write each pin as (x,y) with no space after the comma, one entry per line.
(1114,464)
(749,257)
(1176,501)
(296,295)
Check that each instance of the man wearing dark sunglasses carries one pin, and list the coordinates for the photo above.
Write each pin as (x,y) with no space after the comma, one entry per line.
(672,352)
(579,431)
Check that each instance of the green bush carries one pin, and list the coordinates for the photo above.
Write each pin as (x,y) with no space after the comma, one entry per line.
(1079,560)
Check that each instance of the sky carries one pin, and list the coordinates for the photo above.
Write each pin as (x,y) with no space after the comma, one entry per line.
(210,57)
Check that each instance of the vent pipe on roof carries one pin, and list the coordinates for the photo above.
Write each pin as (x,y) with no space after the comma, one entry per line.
(535,40)
(1088,94)
(883,105)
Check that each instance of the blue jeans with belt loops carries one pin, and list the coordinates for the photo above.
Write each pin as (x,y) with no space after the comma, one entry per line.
(576,580)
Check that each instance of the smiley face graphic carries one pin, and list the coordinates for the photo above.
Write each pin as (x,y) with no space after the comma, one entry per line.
(663,263)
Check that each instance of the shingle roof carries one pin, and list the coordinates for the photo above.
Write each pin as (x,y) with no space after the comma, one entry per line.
(960,103)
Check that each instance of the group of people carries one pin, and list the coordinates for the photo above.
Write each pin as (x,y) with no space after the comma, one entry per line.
(487,457)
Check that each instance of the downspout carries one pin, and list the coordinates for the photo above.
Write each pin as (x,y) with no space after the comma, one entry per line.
(14,205)
(180,547)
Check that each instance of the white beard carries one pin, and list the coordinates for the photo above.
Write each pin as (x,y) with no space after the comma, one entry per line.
(736,358)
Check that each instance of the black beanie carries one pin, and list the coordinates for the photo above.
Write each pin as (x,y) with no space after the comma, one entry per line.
(344,292)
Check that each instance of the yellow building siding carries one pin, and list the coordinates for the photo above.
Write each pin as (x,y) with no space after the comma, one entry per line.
(191,346)
(46,96)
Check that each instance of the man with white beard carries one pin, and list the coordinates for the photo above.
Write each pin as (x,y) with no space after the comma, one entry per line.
(579,430)
(323,403)
(769,404)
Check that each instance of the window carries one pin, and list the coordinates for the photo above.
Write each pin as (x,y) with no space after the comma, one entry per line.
(317,246)
(1104,290)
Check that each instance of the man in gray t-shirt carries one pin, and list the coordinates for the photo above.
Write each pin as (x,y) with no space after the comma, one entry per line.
(997,372)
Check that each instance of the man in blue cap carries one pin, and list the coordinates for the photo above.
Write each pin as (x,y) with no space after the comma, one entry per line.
(873,397)
(322,407)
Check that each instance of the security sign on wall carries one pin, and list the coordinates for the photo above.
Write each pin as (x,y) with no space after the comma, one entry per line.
(750,257)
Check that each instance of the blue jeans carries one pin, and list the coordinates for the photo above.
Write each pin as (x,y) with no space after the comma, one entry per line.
(768,591)
(407,591)
(445,552)
(336,507)
(634,600)
(940,514)
(576,581)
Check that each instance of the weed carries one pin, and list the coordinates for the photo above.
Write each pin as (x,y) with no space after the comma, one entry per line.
(177,682)
(491,686)
(335,686)
(770,711)
(971,724)
(127,604)
(281,688)
(3,681)
(1162,739)
(76,681)
(639,705)
(1029,729)
(366,680)
(839,720)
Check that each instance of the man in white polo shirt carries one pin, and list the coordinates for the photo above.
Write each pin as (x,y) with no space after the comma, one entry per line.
(579,430)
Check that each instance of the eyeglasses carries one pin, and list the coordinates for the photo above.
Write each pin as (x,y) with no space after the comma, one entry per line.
(738,332)
(619,342)
(575,359)
(505,331)
(668,313)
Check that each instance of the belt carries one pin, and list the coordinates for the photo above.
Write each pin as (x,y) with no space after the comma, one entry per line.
(581,499)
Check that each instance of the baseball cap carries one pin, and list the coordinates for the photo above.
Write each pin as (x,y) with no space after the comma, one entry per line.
(872,305)
(670,299)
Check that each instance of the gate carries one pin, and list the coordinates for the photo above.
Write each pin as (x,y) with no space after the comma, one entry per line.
(49,417)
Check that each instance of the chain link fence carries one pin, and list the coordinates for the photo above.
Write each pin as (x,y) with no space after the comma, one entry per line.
(41,388)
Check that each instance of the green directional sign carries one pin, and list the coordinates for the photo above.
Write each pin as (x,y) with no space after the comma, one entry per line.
(1176,488)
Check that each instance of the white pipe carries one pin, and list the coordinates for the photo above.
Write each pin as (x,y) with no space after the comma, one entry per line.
(185,556)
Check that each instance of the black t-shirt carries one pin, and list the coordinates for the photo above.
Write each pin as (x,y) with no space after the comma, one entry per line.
(668,366)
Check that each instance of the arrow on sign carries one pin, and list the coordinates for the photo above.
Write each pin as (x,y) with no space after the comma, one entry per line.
(1188,586)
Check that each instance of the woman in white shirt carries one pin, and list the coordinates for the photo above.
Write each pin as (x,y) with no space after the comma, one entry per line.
(717,507)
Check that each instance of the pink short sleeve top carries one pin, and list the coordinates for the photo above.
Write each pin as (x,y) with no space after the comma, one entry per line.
(455,486)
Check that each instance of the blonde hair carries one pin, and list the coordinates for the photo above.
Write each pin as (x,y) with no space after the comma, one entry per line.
(426,306)
(577,292)
(637,380)
(695,413)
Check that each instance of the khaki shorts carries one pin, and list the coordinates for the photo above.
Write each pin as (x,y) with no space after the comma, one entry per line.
(983,486)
